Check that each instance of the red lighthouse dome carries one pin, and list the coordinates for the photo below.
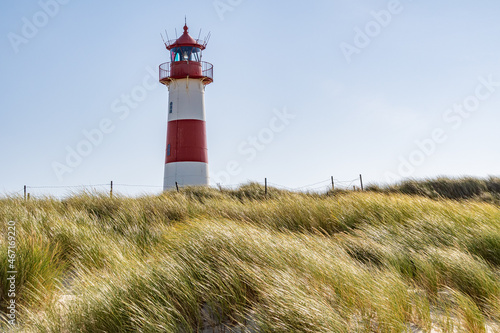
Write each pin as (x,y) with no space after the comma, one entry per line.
(186,40)
(185,60)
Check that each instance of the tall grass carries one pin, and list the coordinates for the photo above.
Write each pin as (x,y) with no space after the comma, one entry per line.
(291,262)
(449,188)
(38,264)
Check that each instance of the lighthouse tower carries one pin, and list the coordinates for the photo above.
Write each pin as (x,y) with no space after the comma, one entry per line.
(186,76)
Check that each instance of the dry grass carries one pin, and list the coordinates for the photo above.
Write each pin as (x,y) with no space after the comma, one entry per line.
(351,262)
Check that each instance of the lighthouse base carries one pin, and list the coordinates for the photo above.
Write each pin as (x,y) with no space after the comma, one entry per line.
(185,174)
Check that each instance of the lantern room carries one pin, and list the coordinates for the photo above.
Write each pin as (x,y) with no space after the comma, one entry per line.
(185,53)
(186,60)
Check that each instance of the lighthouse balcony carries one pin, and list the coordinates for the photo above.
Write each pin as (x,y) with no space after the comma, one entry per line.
(186,69)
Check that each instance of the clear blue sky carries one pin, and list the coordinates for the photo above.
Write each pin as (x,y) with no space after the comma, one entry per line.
(388,89)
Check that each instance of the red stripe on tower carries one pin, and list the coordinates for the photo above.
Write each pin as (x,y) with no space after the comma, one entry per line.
(186,141)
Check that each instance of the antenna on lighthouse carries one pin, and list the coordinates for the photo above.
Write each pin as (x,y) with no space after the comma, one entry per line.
(199,35)
(205,42)
(176,34)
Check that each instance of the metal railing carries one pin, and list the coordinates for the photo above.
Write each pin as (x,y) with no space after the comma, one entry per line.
(207,71)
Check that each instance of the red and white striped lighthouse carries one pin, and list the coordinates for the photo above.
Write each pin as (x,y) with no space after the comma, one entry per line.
(186,76)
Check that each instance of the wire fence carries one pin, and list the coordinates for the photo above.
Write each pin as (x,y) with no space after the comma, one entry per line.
(123,189)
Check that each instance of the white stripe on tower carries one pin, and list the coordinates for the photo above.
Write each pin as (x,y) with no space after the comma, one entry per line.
(185,173)
(188,100)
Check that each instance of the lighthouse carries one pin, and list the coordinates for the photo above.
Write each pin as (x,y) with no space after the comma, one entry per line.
(186,76)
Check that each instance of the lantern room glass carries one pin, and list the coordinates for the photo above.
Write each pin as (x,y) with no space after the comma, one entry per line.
(185,53)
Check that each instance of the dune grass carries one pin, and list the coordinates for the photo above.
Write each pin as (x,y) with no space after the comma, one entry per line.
(487,190)
(292,262)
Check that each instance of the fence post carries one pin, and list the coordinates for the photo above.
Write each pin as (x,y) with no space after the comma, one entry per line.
(177,186)
(111,190)
(24,192)
(333,185)
(265,186)
(361,181)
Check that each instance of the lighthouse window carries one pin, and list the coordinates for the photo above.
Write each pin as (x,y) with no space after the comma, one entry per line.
(174,55)
(185,53)
(168,149)
(195,54)
(171,107)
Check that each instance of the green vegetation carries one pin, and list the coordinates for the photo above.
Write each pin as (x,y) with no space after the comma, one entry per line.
(292,262)
(487,190)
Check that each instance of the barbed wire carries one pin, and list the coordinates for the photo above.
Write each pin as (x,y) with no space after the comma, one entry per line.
(69,186)
(324,184)
(346,181)
(324,181)
(281,186)
(129,185)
